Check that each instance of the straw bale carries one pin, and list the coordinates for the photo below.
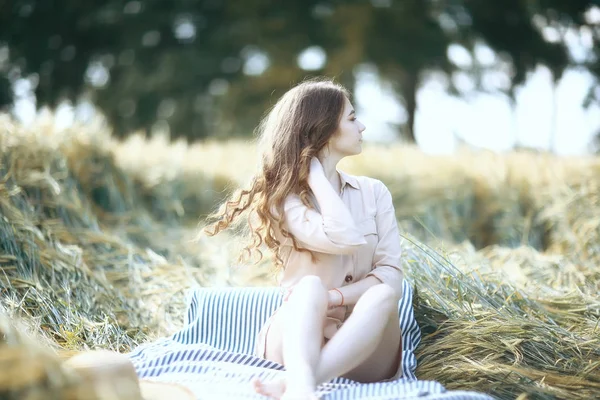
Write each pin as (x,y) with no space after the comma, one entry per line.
(504,337)
(576,222)
(188,176)
(87,268)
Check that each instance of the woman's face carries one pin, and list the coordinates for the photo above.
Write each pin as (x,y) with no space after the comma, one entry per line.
(347,140)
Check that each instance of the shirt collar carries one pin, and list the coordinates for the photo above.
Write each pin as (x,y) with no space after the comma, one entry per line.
(348,179)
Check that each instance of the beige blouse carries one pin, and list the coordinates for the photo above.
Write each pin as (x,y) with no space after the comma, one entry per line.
(352,234)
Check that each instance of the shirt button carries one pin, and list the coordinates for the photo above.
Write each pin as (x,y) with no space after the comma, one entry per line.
(348,278)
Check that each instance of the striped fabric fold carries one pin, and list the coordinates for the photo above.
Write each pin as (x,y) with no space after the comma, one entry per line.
(248,308)
(212,353)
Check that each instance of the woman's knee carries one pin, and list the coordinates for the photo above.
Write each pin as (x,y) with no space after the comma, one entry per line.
(382,296)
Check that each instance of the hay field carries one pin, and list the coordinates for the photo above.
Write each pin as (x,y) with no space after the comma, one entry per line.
(97,251)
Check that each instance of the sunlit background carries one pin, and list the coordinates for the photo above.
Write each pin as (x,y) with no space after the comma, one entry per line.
(475,100)
(124,123)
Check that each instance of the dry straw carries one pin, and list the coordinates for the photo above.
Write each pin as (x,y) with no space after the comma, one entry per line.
(95,252)
(83,262)
(482,331)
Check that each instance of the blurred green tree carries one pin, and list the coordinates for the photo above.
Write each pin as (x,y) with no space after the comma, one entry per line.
(208,68)
(404,41)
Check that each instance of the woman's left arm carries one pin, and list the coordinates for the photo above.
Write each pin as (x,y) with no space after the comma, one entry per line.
(386,260)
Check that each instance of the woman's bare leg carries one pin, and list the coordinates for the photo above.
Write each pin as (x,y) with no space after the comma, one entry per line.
(366,346)
(302,330)
(303,335)
(361,354)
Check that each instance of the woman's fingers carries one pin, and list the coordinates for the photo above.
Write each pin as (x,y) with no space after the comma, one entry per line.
(332,325)
(337,312)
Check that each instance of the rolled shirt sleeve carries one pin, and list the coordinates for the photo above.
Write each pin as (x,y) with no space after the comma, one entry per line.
(387,256)
(333,233)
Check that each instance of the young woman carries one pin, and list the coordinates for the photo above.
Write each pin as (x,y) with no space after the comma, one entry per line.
(335,241)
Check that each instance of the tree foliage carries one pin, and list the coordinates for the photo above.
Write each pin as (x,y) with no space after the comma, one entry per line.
(196,65)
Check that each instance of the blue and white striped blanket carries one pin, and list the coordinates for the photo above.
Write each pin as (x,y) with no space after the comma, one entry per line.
(212,353)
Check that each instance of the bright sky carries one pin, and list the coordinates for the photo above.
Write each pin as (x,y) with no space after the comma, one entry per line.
(487,120)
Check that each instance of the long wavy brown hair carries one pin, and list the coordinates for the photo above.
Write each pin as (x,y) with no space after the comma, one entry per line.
(294,131)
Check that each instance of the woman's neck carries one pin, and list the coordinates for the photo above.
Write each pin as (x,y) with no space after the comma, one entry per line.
(329,169)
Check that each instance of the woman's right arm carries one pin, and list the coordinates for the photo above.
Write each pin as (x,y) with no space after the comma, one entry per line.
(331,231)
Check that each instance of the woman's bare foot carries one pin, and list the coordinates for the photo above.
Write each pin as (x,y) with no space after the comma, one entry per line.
(278,389)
